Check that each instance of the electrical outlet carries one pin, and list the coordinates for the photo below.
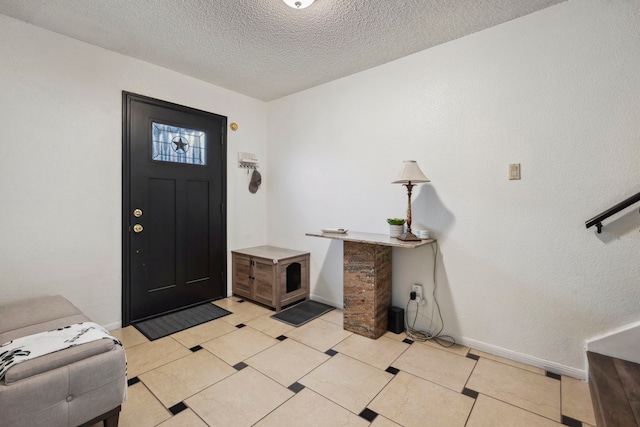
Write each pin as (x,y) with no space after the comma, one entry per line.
(418,290)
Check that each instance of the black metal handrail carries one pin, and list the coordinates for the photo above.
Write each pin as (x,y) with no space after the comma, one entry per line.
(597,220)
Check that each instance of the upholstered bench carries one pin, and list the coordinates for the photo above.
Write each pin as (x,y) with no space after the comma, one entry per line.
(77,386)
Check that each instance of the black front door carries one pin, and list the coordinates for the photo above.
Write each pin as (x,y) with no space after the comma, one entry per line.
(174,225)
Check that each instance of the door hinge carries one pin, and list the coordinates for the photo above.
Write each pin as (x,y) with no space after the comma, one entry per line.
(221,208)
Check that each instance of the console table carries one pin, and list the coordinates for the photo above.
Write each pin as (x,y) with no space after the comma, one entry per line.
(367,279)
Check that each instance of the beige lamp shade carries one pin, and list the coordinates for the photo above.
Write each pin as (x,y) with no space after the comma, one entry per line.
(410,173)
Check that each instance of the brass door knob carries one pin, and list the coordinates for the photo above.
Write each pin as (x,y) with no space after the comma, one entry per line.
(137,213)
(137,228)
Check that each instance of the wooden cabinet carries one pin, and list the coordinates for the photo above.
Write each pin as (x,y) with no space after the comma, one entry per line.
(242,274)
(270,275)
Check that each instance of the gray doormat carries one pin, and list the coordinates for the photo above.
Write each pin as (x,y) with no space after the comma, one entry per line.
(171,323)
(302,313)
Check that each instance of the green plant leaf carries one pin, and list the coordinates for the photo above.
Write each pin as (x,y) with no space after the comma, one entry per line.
(395,221)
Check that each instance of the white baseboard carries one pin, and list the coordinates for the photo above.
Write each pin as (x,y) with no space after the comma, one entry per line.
(112,326)
(621,343)
(332,303)
(547,365)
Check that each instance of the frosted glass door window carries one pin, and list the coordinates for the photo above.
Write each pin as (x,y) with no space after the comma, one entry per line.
(178,145)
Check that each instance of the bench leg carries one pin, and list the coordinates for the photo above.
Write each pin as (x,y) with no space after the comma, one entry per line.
(111,421)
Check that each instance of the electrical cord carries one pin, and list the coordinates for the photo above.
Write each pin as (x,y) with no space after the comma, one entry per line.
(422,336)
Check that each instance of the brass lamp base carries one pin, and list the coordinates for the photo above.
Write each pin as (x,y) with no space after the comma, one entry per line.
(408,236)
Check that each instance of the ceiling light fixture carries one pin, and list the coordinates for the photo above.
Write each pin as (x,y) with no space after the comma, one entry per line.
(299,4)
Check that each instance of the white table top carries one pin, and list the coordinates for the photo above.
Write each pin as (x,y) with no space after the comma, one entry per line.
(270,252)
(373,238)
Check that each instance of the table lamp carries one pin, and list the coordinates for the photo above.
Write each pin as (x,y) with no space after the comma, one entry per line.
(409,176)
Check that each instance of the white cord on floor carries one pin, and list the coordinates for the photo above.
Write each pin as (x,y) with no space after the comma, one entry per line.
(422,336)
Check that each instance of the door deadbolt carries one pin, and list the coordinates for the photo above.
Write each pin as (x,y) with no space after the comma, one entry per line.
(137,213)
(137,228)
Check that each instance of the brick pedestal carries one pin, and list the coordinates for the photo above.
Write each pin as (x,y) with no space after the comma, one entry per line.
(367,288)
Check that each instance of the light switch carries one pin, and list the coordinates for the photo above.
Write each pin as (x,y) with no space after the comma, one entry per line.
(514,171)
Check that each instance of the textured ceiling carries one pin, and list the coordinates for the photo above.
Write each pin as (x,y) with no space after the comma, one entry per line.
(263,48)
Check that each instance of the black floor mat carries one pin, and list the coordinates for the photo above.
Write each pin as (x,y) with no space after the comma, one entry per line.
(302,313)
(171,323)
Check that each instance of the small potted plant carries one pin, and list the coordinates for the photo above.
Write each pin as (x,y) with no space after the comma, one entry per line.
(396,226)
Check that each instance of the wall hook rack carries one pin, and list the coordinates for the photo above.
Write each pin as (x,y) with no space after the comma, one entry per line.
(248,161)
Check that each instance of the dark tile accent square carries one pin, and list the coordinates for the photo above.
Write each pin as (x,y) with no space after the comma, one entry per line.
(554,376)
(392,370)
(331,352)
(568,421)
(368,414)
(296,387)
(407,340)
(471,393)
(240,366)
(240,325)
(281,338)
(196,348)
(473,356)
(177,408)
(132,381)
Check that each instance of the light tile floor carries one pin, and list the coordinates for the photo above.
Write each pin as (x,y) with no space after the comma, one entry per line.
(247,369)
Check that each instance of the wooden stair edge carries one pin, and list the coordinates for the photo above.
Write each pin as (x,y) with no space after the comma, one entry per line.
(611,404)
(593,390)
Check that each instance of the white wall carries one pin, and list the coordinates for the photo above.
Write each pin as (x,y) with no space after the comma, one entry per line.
(60,165)
(557,91)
